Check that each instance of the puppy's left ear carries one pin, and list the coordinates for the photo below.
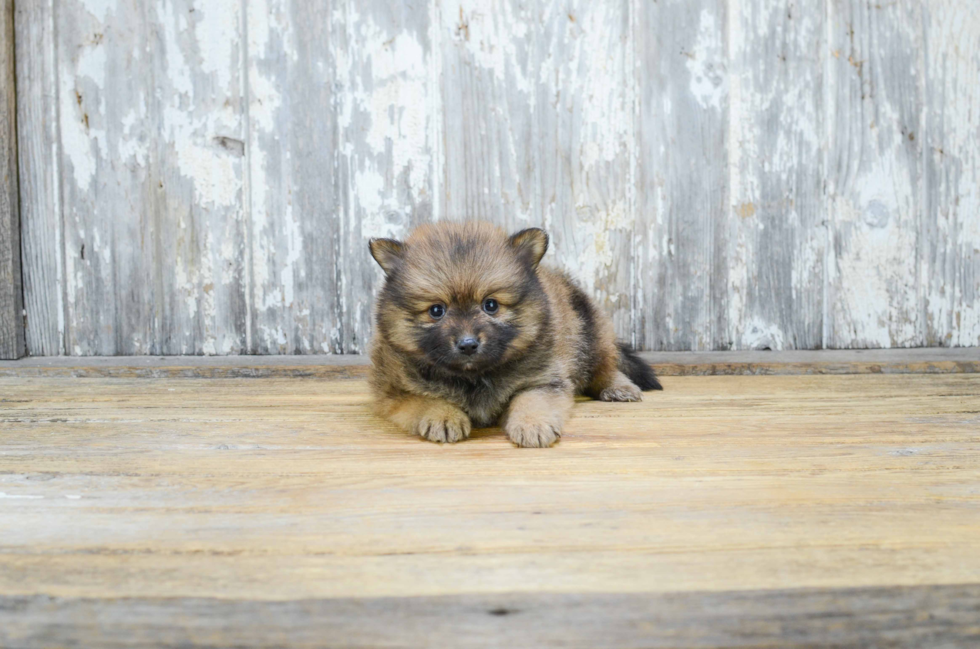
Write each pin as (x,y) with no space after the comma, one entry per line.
(531,244)
(387,252)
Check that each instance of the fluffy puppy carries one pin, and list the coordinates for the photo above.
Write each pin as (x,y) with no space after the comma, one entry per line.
(471,331)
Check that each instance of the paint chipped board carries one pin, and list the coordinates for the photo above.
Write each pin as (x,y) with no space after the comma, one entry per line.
(388,123)
(874,173)
(776,233)
(538,129)
(681,265)
(294,216)
(151,136)
(11,291)
(951,229)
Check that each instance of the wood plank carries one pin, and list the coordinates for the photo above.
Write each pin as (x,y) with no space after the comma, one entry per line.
(39,158)
(11,290)
(293,145)
(682,185)
(279,489)
(880,361)
(874,173)
(537,122)
(896,617)
(388,117)
(725,511)
(152,131)
(776,235)
(951,229)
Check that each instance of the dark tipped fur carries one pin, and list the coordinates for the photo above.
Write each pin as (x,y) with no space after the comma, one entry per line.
(638,370)
(540,338)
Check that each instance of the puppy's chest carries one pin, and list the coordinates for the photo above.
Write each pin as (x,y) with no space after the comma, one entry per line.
(484,401)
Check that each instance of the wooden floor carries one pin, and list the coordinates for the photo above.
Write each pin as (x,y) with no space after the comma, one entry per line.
(726,511)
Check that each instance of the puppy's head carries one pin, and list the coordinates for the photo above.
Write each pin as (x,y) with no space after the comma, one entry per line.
(462,297)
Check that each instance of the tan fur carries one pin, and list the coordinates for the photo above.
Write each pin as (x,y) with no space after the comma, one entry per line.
(544,343)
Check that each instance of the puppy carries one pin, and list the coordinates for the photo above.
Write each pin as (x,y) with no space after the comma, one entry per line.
(471,331)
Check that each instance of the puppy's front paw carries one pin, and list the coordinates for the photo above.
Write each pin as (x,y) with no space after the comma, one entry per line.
(444,425)
(622,392)
(532,433)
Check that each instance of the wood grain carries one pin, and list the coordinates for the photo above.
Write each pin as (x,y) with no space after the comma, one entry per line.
(142,503)
(39,167)
(874,173)
(719,174)
(292,489)
(898,617)
(11,290)
(950,233)
(682,188)
(152,141)
(388,118)
(335,366)
(538,131)
(777,232)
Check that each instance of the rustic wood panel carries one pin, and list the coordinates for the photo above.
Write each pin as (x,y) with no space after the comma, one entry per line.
(720,174)
(11,291)
(388,114)
(39,164)
(276,490)
(538,130)
(152,135)
(950,236)
(874,173)
(682,187)
(776,232)
(898,617)
(293,150)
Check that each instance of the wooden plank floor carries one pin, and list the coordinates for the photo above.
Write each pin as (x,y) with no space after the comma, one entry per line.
(726,511)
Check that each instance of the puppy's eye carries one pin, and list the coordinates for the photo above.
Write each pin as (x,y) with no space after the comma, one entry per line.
(437,311)
(490,305)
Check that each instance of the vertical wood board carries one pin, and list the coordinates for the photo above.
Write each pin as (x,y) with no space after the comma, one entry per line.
(11,291)
(874,173)
(538,123)
(152,136)
(776,232)
(950,234)
(39,171)
(292,152)
(682,183)
(387,111)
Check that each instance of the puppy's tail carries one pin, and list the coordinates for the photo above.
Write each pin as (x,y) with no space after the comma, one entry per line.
(638,371)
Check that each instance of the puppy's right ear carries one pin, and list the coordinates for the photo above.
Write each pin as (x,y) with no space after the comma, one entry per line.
(531,244)
(387,252)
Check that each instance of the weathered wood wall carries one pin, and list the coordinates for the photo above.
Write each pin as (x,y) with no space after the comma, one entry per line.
(201,178)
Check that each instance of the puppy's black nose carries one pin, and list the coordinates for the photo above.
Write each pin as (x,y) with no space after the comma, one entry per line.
(468,346)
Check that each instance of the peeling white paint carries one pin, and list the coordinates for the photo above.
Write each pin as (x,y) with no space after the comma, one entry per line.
(552,138)
(706,63)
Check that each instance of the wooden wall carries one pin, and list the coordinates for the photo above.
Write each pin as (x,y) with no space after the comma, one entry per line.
(202,177)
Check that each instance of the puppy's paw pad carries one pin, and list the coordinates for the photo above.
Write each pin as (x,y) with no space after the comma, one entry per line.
(533,435)
(622,393)
(446,429)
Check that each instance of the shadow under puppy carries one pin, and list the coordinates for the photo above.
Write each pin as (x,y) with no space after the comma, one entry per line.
(471,331)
